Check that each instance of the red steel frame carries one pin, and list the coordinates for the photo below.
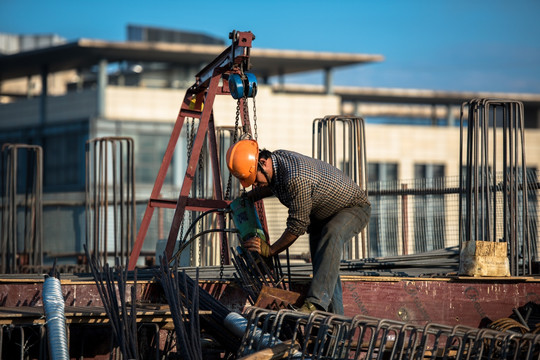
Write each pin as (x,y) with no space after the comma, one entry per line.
(198,103)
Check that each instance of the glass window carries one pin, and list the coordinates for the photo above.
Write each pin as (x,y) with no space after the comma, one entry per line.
(149,151)
(429,210)
(64,159)
(384,225)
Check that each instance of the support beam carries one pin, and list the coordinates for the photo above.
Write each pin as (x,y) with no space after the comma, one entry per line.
(102,81)
(44,95)
(329,81)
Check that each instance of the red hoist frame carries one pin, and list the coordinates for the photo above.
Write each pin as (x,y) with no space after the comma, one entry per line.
(198,103)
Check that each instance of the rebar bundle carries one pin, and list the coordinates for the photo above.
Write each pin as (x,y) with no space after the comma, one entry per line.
(110,197)
(341,142)
(495,141)
(328,336)
(121,311)
(195,298)
(21,192)
(252,272)
(183,300)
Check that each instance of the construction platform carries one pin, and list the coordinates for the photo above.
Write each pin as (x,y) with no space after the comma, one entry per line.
(449,300)
(420,291)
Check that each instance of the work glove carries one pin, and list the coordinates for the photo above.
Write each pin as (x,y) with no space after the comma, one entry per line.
(265,248)
(255,243)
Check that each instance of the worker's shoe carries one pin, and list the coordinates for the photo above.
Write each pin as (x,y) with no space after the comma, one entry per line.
(308,307)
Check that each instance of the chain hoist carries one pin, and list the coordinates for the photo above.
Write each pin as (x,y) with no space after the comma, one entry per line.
(242,85)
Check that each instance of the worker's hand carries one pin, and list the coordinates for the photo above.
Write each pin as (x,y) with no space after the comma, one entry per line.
(256,244)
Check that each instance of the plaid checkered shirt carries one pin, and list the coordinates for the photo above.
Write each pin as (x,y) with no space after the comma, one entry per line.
(311,187)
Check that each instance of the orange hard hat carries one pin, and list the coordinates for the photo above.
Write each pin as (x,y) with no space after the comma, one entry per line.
(242,158)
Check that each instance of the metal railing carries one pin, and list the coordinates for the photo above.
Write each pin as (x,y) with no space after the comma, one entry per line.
(420,215)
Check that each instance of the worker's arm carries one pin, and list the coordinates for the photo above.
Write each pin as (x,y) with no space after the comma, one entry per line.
(256,244)
(259,193)
(286,240)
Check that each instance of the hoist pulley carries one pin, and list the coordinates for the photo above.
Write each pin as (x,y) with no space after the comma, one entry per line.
(243,85)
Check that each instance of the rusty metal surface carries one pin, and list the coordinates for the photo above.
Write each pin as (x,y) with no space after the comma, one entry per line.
(460,301)
(276,298)
(450,301)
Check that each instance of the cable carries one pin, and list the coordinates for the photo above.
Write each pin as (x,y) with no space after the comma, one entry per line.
(185,244)
(198,218)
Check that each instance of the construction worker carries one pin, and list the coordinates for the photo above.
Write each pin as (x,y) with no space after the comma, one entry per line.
(321,200)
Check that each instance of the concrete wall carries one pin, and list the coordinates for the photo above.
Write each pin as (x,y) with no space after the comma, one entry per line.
(69,107)
(284,121)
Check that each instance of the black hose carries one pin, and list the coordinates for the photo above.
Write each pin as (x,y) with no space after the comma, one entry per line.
(186,243)
(198,218)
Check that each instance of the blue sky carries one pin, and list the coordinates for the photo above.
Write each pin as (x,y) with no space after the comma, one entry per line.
(461,45)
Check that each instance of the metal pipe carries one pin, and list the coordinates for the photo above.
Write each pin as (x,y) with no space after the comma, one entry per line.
(53,305)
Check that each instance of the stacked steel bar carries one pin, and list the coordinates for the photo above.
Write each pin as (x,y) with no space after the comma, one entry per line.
(328,336)
(183,302)
(252,272)
(486,118)
(213,323)
(112,284)
(110,185)
(31,256)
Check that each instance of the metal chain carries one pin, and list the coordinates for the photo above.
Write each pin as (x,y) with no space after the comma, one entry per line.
(246,128)
(235,138)
(189,146)
(236,121)
(228,190)
(191,143)
(201,195)
(254,118)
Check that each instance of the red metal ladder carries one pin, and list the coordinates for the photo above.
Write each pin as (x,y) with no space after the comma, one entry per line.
(198,103)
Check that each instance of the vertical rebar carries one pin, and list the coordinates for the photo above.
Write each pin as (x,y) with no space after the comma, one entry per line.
(481,187)
(30,257)
(327,137)
(110,169)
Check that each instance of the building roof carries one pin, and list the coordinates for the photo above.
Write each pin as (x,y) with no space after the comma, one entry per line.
(84,53)
(409,96)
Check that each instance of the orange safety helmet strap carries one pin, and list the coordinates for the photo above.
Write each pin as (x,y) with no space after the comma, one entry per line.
(242,160)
